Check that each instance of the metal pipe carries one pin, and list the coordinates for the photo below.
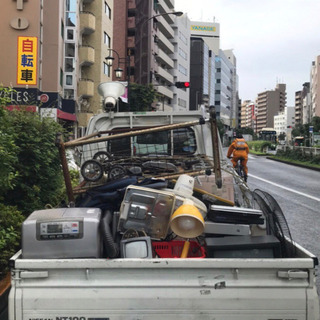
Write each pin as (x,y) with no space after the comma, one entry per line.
(66,174)
(132,133)
(215,147)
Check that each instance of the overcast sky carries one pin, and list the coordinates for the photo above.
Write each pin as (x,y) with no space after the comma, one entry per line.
(274,41)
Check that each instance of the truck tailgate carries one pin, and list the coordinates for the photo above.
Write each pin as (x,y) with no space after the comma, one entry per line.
(99,289)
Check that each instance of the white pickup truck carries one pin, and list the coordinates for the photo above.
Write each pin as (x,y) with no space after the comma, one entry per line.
(242,266)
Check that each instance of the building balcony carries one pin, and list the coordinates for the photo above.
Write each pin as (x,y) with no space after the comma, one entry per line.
(131,22)
(87,22)
(169,3)
(165,44)
(86,88)
(131,42)
(164,74)
(164,58)
(165,27)
(164,8)
(86,55)
(164,91)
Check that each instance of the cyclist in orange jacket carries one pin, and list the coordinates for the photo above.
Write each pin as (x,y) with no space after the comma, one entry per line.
(240,149)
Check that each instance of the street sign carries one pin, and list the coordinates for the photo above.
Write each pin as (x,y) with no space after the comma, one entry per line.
(311,129)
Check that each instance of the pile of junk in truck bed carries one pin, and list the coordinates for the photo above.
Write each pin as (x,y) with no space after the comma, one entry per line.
(156,192)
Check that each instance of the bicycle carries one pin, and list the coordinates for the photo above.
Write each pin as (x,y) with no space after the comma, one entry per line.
(239,169)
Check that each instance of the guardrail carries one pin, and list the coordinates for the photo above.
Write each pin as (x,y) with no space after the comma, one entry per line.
(306,150)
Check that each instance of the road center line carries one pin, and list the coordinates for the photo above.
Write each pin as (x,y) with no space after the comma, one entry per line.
(285,188)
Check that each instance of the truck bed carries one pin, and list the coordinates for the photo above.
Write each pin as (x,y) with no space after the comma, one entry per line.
(206,288)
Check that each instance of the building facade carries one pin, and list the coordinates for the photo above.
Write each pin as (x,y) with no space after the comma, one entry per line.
(32,61)
(315,87)
(199,70)
(298,107)
(284,122)
(248,115)
(205,45)
(225,91)
(306,103)
(181,58)
(66,64)
(269,103)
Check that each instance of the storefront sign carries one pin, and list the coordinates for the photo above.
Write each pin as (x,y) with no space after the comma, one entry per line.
(27,60)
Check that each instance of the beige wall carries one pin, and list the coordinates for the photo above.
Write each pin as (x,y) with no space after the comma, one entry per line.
(53,14)
(9,36)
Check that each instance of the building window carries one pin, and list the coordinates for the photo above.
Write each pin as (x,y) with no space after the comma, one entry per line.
(107,10)
(183,38)
(106,69)
(182,103)
(182,70)
(70,34)
(61,77)
(70,50)
(183,54)
(71,19)
(69,80)
(62,29)
(107,40)
(68,67)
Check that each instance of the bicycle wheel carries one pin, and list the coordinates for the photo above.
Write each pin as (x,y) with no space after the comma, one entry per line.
(116,172)
(102,156)
(92,170)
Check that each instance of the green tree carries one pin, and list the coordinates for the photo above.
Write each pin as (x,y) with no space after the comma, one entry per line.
(245,130)
(31,176)
(141,98)
(282,136)
(315,122)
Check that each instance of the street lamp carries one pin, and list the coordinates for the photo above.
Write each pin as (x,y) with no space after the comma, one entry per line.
(119,71)
(175,13)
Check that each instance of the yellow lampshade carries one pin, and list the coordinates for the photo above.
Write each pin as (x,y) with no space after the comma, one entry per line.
(187,221)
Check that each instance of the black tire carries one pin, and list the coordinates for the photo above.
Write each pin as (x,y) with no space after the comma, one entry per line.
(102,156)
(92,170)
(116,172)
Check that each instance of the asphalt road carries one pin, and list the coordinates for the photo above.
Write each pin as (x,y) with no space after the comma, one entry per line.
(297,190)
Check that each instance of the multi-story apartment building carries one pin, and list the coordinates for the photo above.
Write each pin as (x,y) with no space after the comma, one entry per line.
(243,114)
(269,103)
(35,37)
(248,115)
(315,87)
(306,103)
(144,31)
(154,46)
(298,107)
(95,38)
(55,53)
(284,122)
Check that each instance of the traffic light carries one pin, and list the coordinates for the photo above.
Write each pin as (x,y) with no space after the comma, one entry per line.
(182,84)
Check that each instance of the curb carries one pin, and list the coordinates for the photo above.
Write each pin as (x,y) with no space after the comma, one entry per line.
(294,164)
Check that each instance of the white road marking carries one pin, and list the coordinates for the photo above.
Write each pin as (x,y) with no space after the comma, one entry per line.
(285,188)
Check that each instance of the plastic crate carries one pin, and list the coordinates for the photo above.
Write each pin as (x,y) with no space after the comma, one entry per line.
(173,249)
